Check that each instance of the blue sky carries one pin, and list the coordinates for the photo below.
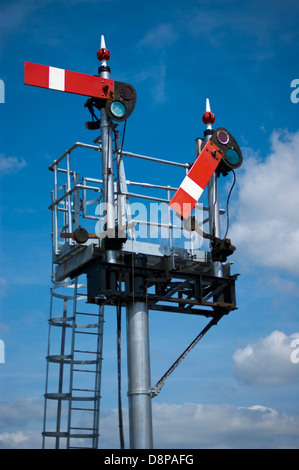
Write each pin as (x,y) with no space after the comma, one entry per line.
(239,387)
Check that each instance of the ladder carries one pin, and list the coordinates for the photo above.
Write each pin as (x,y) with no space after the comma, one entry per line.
(74,366)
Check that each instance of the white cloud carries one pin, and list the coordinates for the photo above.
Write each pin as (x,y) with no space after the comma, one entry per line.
(20,411)
(26,439)
(156,76)
(13,439)
(223,426)
(197,426)
(160,37)
(11,164)
(186,426)
(267,361)
(157,38)
(286,286)
(266,228)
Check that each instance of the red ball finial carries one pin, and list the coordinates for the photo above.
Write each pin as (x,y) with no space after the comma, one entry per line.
(103,54)
(208,118)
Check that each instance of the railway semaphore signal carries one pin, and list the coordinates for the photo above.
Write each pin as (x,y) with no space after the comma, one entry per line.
(125,272)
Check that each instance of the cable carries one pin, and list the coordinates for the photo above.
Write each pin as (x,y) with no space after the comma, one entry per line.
(123,139)
(227,202)
(120,414)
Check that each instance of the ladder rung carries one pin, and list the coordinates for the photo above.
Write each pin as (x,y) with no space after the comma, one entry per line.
(87,325)
(84,409)
(72,447)
(55,434)
(83,398)
(86,333)
(85,313)
(83,390)
(91,361)
(59,358)
(87,352)
(87,370)
(83,429)
(59,321)
(57,396)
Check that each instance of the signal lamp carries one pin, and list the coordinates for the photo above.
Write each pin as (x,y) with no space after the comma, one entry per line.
(118,109)
(223,137)
(123,103)
(232,157)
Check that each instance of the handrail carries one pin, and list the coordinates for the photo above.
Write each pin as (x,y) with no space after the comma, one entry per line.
(67,152)
(127,154)
(154,159)
(74,207)
(68,193)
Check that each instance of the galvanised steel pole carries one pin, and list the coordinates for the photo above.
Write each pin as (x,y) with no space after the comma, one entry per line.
(107,159)
(214,216)
(138,356)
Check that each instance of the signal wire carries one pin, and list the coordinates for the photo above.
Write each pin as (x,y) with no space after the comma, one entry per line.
(227,203)
(120,413)
(123,138)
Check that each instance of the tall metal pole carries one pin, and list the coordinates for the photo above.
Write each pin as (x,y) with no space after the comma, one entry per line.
(138,356)
(139,377)
(107,160)
(214,217)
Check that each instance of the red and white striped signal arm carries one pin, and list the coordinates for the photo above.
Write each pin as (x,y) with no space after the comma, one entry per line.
(193,185)
(71,82)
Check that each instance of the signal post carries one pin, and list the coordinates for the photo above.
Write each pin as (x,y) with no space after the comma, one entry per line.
(120,273)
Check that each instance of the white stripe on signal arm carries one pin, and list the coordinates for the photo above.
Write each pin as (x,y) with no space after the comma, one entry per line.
(191,188)
(56,79)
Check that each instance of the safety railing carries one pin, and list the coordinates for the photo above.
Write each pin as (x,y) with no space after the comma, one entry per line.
(141,207)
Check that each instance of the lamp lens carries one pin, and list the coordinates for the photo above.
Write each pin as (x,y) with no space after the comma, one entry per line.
(118,109)
(223,137)
(232,156)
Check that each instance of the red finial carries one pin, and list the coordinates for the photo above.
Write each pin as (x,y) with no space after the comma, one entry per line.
(208,117)
(103,54)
